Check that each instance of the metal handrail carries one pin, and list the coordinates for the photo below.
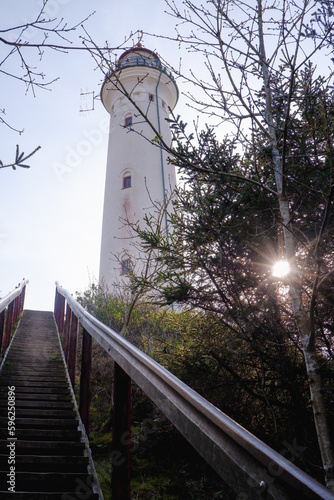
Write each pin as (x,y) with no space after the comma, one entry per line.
(242,460)
(12,295)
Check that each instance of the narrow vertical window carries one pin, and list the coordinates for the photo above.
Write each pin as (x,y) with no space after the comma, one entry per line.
(128,121)
(126,266)
(126,181)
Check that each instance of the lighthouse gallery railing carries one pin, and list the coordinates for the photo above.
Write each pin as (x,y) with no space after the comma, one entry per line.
(250,467)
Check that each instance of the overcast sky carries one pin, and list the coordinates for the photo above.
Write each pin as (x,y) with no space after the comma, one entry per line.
(51,214)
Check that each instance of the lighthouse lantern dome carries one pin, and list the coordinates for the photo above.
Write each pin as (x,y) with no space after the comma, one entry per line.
(139,56)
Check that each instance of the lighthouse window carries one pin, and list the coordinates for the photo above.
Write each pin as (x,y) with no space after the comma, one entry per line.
(126,266)
(126,181)
(151,97)
(128,121)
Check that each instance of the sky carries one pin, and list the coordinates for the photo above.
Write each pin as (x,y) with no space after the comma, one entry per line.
(51,214)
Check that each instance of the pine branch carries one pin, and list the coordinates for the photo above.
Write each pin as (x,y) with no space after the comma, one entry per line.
(20,158)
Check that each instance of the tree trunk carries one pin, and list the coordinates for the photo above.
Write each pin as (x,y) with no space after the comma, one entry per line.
(301,316)
(319,410)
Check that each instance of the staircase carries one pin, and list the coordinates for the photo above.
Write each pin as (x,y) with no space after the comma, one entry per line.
(41,434)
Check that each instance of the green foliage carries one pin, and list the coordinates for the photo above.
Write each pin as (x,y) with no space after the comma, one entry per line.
(103,469)
(226,233)
(147,322)
(225,368)
(235,338)
(227,229)
(257,378)
(164,465)
(306,150)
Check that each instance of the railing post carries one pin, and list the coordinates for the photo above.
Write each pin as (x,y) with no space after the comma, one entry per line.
(9,323)
(23,293)
(86,365)
(61,313)
(16,309)
(120,456)
(72,357)
(56,308)
(21,300)
(20,307)
(14,312)
(67,331)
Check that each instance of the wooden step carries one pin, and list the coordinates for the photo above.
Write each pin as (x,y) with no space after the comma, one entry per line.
(40,423)
(41,412)
(19,391)
(48,481)
(42,434)
(40,396)
(34,380)
(44,404)
(51,457)
(43,447)
(46,463)
(50,496)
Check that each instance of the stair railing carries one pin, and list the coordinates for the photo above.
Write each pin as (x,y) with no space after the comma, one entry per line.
(250,467)
(11,306)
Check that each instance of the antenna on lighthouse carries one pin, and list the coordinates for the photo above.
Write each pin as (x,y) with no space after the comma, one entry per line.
(88,96)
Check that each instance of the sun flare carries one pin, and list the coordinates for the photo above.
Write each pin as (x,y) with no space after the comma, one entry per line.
(281,268)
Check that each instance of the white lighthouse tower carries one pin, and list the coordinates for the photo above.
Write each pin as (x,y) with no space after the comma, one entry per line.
(137,171)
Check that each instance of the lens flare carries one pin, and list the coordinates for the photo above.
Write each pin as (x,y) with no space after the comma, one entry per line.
(281,268)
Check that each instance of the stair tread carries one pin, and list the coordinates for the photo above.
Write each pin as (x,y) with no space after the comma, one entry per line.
(38,434)
(51,458)
(21,390)
(41,412)
(67,495)
(45,459)
(46,481)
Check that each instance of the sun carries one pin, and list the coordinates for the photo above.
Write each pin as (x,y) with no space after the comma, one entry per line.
(281,268)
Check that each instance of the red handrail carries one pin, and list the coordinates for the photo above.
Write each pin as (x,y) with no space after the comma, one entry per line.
(11,306)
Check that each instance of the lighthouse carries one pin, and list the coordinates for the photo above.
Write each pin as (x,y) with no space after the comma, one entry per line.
(138,175)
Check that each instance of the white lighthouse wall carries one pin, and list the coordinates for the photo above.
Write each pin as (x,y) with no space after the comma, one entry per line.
(132,153)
